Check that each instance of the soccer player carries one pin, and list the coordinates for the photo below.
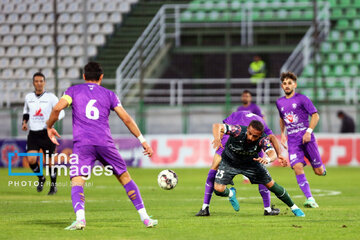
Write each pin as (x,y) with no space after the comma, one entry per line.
(240,118)
(295,109)
(91,105)
(246,98)
(240,156)
(37,109)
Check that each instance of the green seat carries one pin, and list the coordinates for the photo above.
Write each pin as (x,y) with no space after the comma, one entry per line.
(333,57)
(354,47)
(334,35)
(356,3)
(356,23)
(308,14)
(339,70)
(308,71)
(347,57)
(341,46)
(349,35)
(336,13)
(350,13)
(326,69)
(343,24)
(353,70)
(295,15)
(325,47)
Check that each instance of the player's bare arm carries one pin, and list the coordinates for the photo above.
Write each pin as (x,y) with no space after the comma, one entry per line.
(277,148)
(269,158)
(218,131)
(283,136)
(54,116)
(313,122)
(133,128)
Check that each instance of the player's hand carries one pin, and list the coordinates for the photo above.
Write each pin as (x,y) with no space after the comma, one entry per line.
(283,141)
(217,144)
(282,160)
(24,127)
(148,151)
(52,133)
(261,160)
(306,137)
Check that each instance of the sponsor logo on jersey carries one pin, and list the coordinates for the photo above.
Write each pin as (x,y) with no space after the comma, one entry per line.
(291,118)
(91,87)
(38,113)
(294,105)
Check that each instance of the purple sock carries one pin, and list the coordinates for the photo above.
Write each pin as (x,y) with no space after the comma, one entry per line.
(134,194)
(209,186)
(78,198)
(304,185)
(265,194)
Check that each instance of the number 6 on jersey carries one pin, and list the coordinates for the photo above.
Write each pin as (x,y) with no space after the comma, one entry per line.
(91,111)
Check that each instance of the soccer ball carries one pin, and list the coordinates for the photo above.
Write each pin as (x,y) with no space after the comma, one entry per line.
(167,179)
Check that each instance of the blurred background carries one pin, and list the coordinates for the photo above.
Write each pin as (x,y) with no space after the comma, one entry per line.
(180,66)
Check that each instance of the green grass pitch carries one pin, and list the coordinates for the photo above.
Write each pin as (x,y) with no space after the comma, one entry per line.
(26,214)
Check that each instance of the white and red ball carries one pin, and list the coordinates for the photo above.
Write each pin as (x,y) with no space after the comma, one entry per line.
(167,179)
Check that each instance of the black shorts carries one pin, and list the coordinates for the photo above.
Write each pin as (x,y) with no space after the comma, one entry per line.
(40,139)
(257,173)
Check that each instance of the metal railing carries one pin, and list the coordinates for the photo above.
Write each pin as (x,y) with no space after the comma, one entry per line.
(304,51)
(169,23)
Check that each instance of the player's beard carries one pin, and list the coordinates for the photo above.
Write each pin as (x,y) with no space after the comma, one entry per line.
(289,93)
(245,102)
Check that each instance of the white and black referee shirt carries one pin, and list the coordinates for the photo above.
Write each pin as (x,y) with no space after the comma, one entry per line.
(39,109)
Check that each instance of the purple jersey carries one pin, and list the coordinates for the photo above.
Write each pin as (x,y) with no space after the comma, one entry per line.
(251,108)
(242,118)
(295,112)
(91,105)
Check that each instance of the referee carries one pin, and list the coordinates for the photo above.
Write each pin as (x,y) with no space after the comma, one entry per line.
(37,109)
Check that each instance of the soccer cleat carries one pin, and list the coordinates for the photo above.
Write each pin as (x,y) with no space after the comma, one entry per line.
(298,213)
(273,212)
(41,182)
(150,222)
(52,191)
(77,225)
(310,204)
(203,212)
(324,173)
(234,202)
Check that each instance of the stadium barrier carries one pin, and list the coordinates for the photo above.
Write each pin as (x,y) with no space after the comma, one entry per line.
(190,150)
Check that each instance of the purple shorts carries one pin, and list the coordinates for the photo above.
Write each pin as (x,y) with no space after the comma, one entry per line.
(309,150)
(88,154)
(223,142)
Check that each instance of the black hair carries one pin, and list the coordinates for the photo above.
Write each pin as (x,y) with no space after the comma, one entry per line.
(93,71)
(38,74)
(257,125)
(246,91)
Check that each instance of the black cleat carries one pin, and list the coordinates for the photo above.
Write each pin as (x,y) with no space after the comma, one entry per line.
(41,184)
(53,190)
(203,213)
(274,211)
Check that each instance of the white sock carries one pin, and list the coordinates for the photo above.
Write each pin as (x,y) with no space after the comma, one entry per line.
(294,207)
(268,209)
(204,206)
(311,199)
(231,193)
(80,215)
(143,214)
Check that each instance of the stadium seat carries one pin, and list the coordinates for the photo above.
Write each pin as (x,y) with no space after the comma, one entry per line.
(30,29)
(29,62)
(38,51)
(12,51)
(20,40)
(34,40)
(20,73)
(77,51)
(40,18)
(4,62)
(25,51)
(46,40)
(49,51)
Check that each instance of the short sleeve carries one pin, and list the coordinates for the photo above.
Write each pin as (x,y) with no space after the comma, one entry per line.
(229,119)
(267,130)
(308,105)
(265,144)
(232,130)
(278,108)
(68,95)
(114,100)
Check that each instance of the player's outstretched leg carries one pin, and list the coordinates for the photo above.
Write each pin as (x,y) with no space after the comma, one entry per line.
(305,188)
(265,194)
(283,195)
(209,189)
(223,191)
(134,195)
(78,201)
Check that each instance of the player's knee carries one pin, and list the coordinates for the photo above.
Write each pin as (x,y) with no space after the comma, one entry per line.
(219,189)
(124,178)
(31,159)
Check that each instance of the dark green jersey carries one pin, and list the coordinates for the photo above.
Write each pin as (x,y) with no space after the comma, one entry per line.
(238,151)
